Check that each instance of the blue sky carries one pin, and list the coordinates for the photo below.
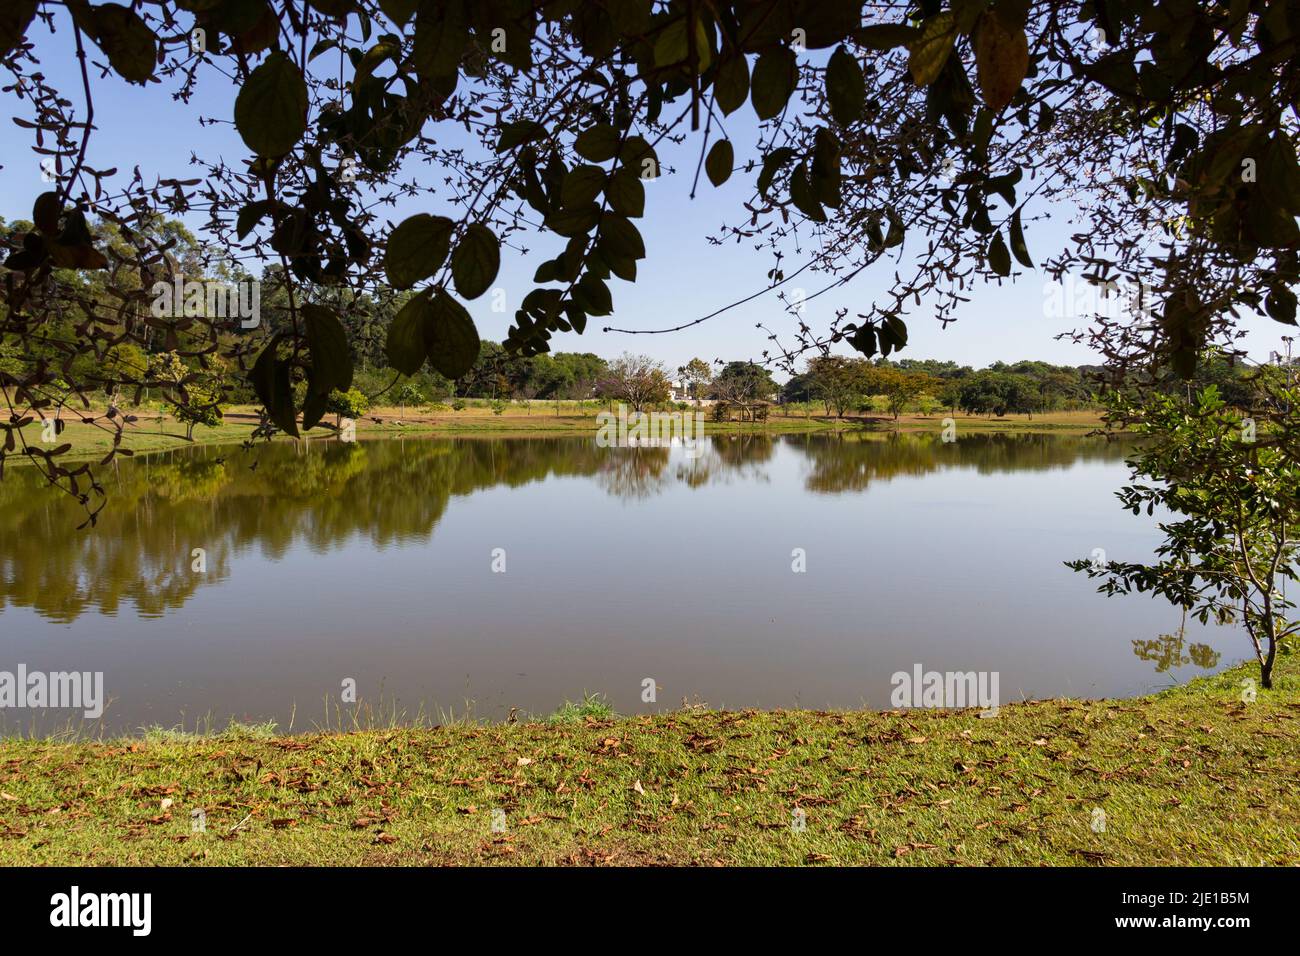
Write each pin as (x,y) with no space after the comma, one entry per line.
(682,277)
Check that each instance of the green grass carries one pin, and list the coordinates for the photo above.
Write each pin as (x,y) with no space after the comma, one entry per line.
(592,707)
(1190,776)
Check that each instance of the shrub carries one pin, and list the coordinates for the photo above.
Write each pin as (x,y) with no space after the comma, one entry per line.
(350,404)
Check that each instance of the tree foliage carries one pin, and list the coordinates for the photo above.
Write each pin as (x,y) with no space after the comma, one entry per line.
(927,134)
(638,380)
(1232,486)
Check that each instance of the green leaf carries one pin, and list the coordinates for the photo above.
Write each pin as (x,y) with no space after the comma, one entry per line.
(334,8)
(929,51)
(1005,185)
(476,261)
(999,257)
(407,346)
(270,379)
(886,36)
(271,109)
(127,41)
(845,89)
(441,37)
(897,231)
(598,144)
(824,174)
(581,186)
(251,215)
(626,193)
(801,194)
(453,341)
(331,356)
(671,46)
(775,75)
(1280,304)
(548,271)
(731,84)
(46,212)
(399,11)
(1018,242)
(640,156)
(720,162)
(314,406)
(1279,174)
(573,222)
(15,17)
(1001,58)
(622,237)
(416,249)
(593,295)
(518,133)
(622,266)
(772,162)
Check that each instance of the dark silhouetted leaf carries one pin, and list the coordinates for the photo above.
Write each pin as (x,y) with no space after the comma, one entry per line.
(720,162)
(453,340)
(271,109)
(775,75)
(476,261)
(845,88)
(331,356)
(416,249)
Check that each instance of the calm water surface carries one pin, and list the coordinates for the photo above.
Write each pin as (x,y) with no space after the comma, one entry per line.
(375,561)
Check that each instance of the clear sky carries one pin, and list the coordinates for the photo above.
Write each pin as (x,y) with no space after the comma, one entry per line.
(682,277)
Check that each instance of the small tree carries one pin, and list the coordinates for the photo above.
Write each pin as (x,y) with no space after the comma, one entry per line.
(203,408)
(408,394)
(900,388)
(1236,485)
(350,404)
(837,381)
(637,380)
(697,375)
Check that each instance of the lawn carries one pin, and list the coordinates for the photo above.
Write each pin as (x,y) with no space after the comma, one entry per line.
(1193,775)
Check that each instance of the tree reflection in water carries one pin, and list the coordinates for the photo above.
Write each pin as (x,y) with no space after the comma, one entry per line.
(323,493)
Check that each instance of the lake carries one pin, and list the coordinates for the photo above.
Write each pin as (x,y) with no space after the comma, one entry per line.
(485,575)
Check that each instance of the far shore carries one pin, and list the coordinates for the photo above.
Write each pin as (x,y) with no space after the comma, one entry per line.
(156,431)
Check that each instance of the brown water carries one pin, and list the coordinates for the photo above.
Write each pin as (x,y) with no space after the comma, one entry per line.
(374,562)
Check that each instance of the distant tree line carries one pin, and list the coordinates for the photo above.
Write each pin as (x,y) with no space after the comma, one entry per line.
(843,385)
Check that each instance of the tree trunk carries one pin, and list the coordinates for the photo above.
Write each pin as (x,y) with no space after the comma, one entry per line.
(1270,632)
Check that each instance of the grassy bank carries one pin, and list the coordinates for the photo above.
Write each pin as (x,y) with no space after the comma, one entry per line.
(1190,776)
(158,432)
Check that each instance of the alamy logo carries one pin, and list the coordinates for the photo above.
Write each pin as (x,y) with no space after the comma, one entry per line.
(651,429)
(39,690)
(922,688)
(213,300)
(103,909)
